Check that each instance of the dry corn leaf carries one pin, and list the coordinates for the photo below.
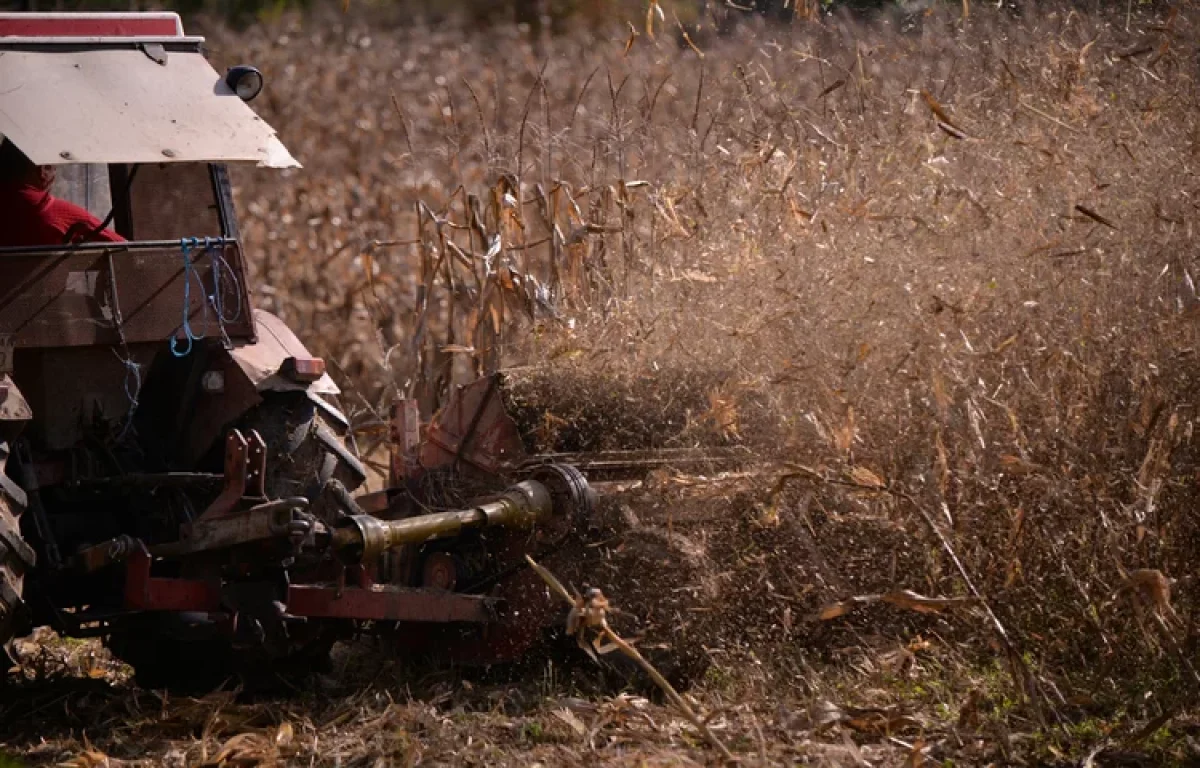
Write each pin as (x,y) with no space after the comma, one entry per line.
(243,751)
(905,598)
(843,436)
(722,414)
(941,114)
(1152,586)
(568,717)
(1015,465)
(940,396)
(943,463)
(90,759)
(864,476)
(835,610)
(651,11)
(1006,343)
(902,598)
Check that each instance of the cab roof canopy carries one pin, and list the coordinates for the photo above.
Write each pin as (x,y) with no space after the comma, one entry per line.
(122,88)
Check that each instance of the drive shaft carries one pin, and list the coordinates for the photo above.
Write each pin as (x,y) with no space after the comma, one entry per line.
(362,538)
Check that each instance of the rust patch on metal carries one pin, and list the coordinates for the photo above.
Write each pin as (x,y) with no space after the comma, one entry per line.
(474,429)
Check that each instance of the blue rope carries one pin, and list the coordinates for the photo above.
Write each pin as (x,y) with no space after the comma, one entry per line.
(222,273)
(189,269)
(220,270)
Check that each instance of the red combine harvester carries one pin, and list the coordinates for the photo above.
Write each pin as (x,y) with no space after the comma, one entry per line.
(175,473)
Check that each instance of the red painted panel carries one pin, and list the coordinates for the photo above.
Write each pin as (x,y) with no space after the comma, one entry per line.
(88,26)
(144,592)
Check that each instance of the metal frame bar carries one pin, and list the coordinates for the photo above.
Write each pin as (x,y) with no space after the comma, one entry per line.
(144,592)
(133,245)
(119,190)
(188,44)
(389,603)
(223,194)
(245,474)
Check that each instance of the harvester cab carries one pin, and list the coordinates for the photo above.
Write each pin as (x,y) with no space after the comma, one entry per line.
(176,475)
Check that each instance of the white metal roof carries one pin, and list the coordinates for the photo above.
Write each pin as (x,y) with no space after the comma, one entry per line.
(114,105)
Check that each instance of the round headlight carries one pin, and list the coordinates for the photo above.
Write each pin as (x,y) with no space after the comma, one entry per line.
(245,81)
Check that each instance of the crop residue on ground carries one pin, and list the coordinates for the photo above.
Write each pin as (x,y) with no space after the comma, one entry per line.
(935,283)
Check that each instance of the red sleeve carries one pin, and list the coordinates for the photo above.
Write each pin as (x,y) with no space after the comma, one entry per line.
(66,217)
(108,235)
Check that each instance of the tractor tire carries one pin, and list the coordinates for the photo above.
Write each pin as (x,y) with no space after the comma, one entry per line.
(188,655)
(170,651)
(306,451)
(307,455)
(16,559)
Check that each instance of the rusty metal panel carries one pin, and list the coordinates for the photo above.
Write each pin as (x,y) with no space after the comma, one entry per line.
(388,603)
(122,106)
(474,428)
(260,361)
(374,503)
(66,298)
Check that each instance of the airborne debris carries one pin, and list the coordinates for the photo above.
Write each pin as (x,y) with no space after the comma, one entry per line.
(1026,455)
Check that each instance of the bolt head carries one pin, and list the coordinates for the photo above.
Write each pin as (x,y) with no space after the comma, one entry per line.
(213,382)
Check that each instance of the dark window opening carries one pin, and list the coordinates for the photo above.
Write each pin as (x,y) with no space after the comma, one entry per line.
(169,201)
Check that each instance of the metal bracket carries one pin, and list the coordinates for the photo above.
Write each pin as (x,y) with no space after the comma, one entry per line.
(155,52)
(245,473)
(385,602)
(270,520)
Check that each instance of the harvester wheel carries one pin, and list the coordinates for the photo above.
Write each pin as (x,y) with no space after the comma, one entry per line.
(307,453)
(306,450)
(167,650)
(16,558)
(189,654)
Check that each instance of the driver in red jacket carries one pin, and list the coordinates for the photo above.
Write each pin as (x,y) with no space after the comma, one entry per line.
(31,216)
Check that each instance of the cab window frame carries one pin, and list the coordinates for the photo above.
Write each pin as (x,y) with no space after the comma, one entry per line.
(122,192)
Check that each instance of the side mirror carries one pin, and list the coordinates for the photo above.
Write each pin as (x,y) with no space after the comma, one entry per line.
(245,81)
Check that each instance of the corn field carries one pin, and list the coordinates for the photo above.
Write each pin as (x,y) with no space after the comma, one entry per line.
(932,274)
